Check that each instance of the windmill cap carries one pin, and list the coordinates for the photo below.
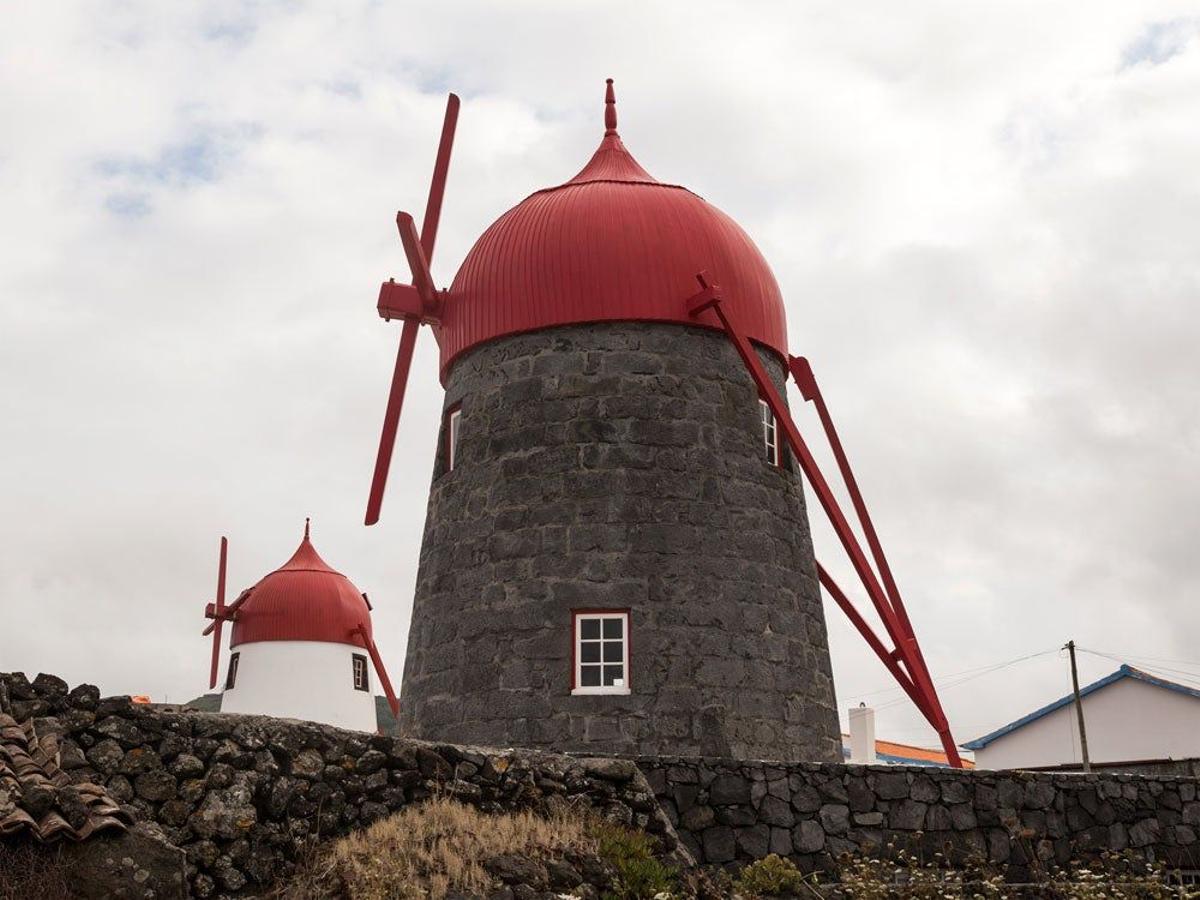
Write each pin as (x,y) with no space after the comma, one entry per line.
(611,244)
(305,599)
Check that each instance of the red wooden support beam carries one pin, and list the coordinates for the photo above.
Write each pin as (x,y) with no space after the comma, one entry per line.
(888,658)
(377,661)
(805,458)
(907,647)
(807,382)
(914,676)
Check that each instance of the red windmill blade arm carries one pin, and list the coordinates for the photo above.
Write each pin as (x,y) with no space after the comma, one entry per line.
(419,251)
(377,661)
(221,574)
(437,187)
(391,419)
(219,609)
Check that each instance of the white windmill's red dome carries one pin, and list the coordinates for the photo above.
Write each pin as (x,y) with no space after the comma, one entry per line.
(611,244)
(303,600)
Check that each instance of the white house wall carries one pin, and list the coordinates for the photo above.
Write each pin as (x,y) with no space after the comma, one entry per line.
(302,680)
(1127,720)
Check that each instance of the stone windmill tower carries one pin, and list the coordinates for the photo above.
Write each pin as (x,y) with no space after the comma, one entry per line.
(616,552)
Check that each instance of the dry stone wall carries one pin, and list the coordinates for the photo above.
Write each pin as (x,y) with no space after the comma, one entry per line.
(245,795)
(728,812)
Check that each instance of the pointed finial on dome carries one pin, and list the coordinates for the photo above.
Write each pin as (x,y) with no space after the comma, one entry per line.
(306,521)
(610,108)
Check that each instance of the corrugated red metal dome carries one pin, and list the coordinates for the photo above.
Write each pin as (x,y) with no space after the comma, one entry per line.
(611,244)
(302,600)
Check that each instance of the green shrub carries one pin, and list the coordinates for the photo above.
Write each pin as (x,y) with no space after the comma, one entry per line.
(772,875)
(639,875)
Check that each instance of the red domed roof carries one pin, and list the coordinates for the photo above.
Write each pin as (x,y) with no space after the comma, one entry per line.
(611,244)
(302,600)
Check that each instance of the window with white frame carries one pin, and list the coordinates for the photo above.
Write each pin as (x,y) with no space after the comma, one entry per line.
(231,675)
(361,680)
(601,652)
(453,423)
(770,432)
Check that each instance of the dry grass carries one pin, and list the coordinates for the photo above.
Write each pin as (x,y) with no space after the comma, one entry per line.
(438,846)
(28,871)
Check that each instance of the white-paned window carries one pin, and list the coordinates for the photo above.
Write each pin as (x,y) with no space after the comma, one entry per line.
(453,426)
(770,432)
(601,652)
(361,679)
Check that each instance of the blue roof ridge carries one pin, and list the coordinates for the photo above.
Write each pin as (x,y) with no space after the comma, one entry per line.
(1126,671)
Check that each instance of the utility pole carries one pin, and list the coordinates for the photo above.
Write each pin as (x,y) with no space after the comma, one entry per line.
(1087,766)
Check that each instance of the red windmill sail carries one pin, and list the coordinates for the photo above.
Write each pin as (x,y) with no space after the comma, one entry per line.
(416,303)
(218,612)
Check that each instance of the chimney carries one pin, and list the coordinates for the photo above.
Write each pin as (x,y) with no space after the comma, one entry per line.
(862,735)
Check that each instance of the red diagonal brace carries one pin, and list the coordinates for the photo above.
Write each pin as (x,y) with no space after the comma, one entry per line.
(896,624)
(889,659)
(907,641)
(377,661)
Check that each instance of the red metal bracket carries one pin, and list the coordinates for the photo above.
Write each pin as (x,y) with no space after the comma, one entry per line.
(377,661)
(905,662)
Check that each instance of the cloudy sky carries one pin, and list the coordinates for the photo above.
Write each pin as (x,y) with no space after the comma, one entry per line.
(985,220)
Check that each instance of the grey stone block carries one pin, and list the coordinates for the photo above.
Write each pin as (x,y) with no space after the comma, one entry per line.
(807,837)
(719,844)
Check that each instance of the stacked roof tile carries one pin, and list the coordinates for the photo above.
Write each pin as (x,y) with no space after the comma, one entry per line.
(37,796)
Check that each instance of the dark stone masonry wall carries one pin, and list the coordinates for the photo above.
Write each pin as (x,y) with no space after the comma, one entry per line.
(243,796)
(727,811)
(618,466)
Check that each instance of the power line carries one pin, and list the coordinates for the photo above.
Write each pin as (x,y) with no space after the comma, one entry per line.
(1153,670)
(962,677)
(1156,662)
(987,666)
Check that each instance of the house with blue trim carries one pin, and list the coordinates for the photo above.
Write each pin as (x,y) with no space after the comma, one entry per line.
(1132,718)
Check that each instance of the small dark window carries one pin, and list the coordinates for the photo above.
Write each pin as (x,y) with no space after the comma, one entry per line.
(453,427)
(361,679)
(231,676)
(601,652)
